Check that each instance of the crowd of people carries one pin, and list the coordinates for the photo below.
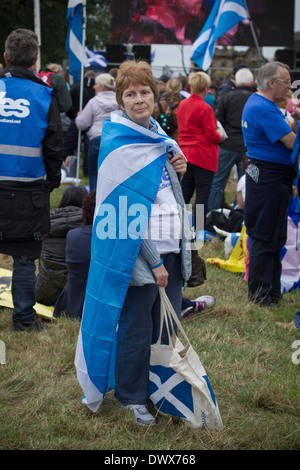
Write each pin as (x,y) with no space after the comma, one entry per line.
(245,124)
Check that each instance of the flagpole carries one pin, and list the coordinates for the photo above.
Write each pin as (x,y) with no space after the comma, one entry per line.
(81,86)
(262,61)
(37,30)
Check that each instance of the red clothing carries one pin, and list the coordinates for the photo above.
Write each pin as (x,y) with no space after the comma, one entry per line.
(198,136)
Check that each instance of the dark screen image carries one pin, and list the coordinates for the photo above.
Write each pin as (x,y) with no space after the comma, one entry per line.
(180,22)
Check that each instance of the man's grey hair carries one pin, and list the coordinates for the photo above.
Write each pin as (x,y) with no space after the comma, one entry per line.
(21,47)
(244,76)
(268,71)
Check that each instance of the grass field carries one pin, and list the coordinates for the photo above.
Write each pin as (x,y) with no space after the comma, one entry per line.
(249,353)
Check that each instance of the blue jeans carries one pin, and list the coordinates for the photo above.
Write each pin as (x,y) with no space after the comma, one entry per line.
(71,144)
(138,328)
(93,153)
(227,159)
(186,303)
(23,289)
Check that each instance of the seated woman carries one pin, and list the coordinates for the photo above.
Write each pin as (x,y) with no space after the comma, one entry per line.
(52,275)
(78,255)
(133,250)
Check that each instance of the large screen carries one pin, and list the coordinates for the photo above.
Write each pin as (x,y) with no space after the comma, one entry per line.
(180,22)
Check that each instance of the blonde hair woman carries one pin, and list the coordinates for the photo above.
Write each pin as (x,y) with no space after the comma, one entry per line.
(198,139)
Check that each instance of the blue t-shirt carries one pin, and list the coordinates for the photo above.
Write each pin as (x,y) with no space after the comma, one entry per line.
(263,124)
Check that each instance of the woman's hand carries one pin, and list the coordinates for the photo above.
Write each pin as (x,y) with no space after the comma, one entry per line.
(296,115)
(179,163)
(161,276)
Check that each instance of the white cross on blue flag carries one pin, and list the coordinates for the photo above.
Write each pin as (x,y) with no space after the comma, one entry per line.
(224,15)
(74,42)
(95,59)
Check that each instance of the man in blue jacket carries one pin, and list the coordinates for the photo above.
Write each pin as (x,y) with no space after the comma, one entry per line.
(31,154)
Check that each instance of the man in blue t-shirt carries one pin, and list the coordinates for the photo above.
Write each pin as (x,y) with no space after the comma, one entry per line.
(269,141)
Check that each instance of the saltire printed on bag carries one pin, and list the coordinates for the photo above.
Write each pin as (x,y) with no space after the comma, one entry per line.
(131,161)
(178,383)
(166,389)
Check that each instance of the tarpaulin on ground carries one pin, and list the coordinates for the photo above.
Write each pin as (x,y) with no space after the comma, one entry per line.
(6,297)
(237,260)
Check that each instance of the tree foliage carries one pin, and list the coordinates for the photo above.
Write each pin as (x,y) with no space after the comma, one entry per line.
(20,14)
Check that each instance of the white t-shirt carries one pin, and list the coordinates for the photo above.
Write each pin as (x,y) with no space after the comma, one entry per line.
(241,186)
(164,227)
(287,115)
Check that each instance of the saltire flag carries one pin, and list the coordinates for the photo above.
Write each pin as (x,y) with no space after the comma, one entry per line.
(131,161)
(289,254)
(295,157)
(172,394)
(74,42)
(224,15)
(95,59)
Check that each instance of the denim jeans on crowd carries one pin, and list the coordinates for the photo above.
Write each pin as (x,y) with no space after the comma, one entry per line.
(227,159)
(23,289)
(93,154)
(138,328)
(71,144)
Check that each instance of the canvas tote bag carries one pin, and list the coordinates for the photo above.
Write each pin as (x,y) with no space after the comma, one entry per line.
(178,383)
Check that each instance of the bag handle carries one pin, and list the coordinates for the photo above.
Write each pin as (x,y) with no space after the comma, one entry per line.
(160,108)
(164,319)
(168,313)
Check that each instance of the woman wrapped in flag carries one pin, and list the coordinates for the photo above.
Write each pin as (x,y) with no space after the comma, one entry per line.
(140,241)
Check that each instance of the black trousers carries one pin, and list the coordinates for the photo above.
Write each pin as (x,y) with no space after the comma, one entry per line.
(264,272)
(200,179)
(264,255)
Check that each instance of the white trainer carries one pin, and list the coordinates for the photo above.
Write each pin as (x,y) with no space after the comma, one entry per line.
(202,302)
(141,415)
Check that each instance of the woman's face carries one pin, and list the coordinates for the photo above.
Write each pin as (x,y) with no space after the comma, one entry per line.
(138,103)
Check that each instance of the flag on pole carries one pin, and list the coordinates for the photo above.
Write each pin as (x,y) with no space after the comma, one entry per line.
(74,42)
(95,59)
(224,15)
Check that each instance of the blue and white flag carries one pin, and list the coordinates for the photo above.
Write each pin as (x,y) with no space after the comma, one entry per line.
(74,42)
(131,161)
(95,59)
(172,394)
(224,15)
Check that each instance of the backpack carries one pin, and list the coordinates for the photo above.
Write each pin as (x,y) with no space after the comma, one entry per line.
(45,77)
(166,120)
